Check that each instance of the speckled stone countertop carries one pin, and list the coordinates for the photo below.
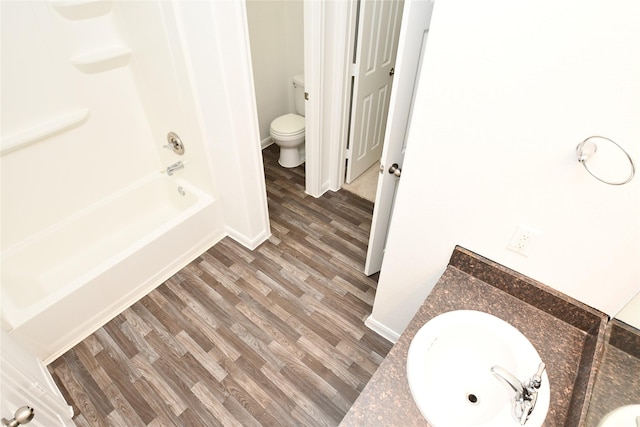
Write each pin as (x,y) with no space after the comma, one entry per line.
(567,334)
(618,378)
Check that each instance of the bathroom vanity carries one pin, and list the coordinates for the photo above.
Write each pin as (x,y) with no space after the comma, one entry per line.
(568,335)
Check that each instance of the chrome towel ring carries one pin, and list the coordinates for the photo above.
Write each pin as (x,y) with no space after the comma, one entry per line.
(587,148)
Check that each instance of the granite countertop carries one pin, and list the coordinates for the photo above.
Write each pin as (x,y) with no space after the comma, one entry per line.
(618,378)
(567,334)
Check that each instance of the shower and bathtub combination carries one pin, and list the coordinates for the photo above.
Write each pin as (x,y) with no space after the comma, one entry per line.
(102,258)
(99,206)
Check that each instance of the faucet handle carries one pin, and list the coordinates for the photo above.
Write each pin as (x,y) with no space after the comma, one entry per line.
(527,408)
(536,380)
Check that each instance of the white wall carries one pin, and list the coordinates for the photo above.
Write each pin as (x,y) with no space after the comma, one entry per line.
(277,53)
(507,91)
(630,313)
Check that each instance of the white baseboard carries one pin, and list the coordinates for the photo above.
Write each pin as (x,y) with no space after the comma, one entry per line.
(250,244)
(381,329)
(266,142)
(86,328)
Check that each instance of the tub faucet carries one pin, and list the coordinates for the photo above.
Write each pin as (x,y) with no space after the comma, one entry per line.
(526,393)
(174,167)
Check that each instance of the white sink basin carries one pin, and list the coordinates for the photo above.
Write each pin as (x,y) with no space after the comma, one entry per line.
(624,416)
(449,371)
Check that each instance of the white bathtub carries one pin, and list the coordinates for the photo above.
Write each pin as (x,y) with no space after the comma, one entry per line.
(62,284)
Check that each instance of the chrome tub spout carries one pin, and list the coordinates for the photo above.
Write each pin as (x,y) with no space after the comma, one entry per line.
(174,167)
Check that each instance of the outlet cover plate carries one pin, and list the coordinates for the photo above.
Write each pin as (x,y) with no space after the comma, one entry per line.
(522,239)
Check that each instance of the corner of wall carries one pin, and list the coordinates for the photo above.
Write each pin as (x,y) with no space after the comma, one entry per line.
(381,329)
(216,38)
(265,143)
(249,242)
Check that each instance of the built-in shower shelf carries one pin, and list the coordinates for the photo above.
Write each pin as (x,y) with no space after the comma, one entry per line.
(44,130)
(102,60)
(81,9)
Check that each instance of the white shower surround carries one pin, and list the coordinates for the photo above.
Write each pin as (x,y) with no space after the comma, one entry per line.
(82,237)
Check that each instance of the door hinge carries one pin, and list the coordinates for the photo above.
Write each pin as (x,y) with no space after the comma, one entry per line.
(354,69)
(347,153)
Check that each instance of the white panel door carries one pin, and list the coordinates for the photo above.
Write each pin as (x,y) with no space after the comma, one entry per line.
(378,30)
(415,27)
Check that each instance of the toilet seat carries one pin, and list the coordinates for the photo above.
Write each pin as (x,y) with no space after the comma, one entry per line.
(288,126)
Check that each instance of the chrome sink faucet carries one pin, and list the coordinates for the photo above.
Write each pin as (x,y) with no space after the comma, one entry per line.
(526,393)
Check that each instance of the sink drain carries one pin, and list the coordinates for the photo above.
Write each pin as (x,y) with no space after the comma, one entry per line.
(472,398)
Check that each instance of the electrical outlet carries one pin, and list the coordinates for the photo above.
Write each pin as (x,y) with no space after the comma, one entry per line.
(521,240)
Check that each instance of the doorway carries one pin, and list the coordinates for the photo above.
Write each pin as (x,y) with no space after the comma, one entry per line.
(377,30)
(333,32)
(330,49)
(276,34)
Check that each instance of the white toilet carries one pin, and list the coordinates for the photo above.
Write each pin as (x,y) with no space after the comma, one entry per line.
(288,131)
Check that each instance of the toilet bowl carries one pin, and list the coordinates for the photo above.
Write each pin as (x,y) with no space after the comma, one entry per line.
(287,131)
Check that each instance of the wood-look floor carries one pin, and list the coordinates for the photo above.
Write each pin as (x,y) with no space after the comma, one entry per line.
(272,337)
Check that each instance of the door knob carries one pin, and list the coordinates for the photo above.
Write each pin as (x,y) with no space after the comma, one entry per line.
(395,170)
(392,71)
(22,416)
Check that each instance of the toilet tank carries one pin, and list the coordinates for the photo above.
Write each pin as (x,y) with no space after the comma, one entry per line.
(298,95)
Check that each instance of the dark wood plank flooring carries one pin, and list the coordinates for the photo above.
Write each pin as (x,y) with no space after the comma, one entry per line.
(271,337)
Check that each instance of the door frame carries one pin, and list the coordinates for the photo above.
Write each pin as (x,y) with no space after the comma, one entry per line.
(26,381)
(348,52)
(329,42)
(314,63)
